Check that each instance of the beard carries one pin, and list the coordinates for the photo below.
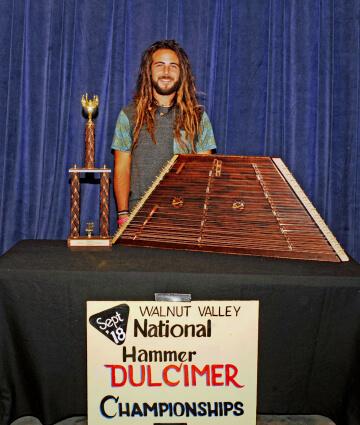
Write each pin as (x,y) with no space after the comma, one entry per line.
(166,91)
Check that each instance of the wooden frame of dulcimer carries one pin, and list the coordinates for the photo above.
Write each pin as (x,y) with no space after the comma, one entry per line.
(246,205)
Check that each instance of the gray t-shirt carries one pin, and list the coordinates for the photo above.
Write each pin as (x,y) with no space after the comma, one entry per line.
(149,158)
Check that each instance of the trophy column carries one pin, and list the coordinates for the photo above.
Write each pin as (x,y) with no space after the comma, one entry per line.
(104,205)
(75,205)
(90,144)
(75,238)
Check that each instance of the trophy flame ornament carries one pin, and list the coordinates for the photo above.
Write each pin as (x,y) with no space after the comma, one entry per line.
(90,107)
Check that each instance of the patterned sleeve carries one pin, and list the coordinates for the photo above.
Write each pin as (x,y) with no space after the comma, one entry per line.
(122,139)
(206,138)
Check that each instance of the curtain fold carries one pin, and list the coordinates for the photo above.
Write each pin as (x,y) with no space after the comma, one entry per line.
(277,77)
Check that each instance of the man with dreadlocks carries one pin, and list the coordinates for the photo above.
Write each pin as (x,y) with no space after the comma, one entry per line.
(164,119)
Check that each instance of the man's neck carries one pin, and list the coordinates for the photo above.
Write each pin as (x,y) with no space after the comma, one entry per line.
(164,100)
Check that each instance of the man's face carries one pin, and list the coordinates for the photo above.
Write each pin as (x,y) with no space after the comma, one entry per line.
(165,71)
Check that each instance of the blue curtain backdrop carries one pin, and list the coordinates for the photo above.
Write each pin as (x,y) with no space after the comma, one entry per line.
(277,77)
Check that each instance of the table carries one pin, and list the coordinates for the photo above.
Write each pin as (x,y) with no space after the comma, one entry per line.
(309,328)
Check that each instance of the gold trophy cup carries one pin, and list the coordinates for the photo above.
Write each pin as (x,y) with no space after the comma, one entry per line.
(90,107)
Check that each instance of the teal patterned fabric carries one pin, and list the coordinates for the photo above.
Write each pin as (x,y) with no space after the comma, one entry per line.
(122,140)
(123,135)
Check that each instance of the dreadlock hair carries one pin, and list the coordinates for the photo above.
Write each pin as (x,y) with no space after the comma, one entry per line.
(188,111)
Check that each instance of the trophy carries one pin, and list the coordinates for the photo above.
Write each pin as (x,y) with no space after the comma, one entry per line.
(90,107)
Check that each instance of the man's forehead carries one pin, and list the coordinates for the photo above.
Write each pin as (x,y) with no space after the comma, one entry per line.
(165,55)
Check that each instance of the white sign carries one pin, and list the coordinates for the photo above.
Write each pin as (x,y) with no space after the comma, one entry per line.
(172,362)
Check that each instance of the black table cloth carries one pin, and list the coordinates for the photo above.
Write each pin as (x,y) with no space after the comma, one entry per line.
(309,328)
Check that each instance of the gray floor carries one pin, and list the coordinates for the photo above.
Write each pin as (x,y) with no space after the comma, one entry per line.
(293,420)
(30,420)
(261,420)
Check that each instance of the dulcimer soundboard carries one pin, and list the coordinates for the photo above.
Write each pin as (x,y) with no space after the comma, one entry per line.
(246,205)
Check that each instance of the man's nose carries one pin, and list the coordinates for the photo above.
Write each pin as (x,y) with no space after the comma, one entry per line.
(166,69)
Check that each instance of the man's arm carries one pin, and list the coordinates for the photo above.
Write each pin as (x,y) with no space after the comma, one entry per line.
(122,167)
(121,146)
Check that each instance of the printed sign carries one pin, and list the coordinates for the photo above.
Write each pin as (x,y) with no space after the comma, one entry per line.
(162,363)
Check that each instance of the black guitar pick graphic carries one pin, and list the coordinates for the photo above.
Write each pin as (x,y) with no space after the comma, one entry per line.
(112,323)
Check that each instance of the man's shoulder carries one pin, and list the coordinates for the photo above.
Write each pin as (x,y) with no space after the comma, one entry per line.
(204,120)
(130,111)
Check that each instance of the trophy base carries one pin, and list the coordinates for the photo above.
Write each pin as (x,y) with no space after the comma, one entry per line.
(84,242)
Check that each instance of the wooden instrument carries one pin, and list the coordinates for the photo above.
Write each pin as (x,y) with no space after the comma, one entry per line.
(230,204)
